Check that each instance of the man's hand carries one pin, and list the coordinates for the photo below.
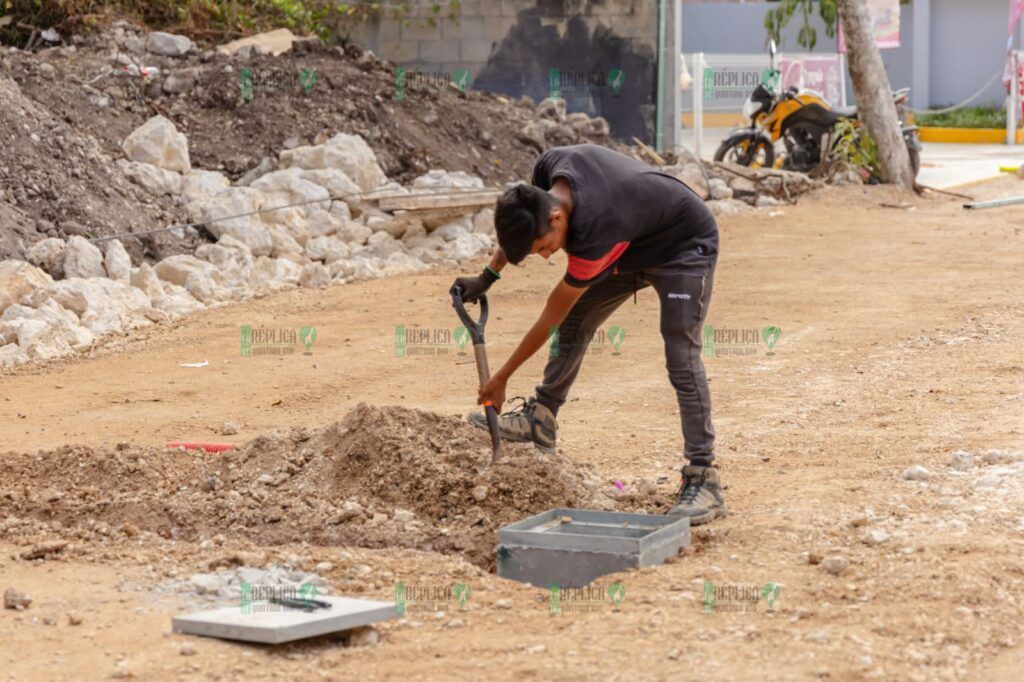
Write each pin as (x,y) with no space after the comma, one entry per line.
(493,392)
(473,288)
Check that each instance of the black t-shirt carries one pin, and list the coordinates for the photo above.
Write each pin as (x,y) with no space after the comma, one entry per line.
(626,216)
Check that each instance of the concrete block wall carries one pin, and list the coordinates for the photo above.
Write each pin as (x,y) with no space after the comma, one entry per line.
(509,46)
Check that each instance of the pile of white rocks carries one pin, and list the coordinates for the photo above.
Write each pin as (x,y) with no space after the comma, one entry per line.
(71,292)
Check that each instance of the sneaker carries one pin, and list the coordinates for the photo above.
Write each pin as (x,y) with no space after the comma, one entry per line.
(700,495)
(528,422)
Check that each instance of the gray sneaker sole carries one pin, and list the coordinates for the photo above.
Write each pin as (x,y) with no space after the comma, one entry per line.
(480,422)
(707,517)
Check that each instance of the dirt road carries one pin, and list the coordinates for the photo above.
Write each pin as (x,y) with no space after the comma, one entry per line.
(901,343)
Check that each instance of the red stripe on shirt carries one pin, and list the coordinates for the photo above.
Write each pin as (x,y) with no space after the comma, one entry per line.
(583,269)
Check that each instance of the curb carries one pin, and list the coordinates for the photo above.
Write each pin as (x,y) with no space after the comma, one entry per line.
(967,135)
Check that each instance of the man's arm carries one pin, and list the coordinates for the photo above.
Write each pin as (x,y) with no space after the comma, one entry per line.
(498,260)
(560,301)
(473,288)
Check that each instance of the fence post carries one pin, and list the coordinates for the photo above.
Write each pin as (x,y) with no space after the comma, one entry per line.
(698,103)
(1013,101)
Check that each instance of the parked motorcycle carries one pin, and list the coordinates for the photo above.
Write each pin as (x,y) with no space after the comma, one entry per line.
(804,122)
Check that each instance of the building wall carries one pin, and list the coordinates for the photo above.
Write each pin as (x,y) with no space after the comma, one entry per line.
(510,47)
(967,43)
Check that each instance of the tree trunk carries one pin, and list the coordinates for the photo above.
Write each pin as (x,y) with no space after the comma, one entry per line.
(871,89)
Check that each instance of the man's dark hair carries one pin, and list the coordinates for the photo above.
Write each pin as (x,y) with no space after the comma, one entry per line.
(520,217)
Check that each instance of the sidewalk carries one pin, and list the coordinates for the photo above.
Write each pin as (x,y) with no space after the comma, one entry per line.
(943,165)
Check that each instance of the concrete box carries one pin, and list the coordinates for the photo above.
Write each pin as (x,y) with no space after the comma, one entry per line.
(274,624)
(573,547)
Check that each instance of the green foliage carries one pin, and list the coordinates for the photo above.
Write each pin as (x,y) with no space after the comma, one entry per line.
(853,144)
(967,117)
(216,18)
(777,19)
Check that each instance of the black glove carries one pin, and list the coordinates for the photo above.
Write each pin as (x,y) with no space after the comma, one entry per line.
(473,288)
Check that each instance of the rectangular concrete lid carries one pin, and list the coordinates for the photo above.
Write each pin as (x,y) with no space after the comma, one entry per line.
(274,624)
(592,530)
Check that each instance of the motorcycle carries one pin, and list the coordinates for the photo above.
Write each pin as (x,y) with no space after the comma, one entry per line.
(802,120)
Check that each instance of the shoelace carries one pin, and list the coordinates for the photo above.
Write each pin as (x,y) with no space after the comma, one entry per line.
(522,407)
(691,487)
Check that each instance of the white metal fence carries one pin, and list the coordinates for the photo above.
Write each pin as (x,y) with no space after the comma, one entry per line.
(721,83)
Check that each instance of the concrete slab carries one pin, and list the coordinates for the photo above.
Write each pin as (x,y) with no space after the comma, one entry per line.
(275,624)
(573,547)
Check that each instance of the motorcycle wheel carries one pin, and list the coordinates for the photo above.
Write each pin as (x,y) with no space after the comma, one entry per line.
(915,160)
(754,153)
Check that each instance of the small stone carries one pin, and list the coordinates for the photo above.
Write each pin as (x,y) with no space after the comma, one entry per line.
(228,429)
(74,618)
(49,621)
(957,525)
(988,481)
(673,655)
(813,558)
(480,493)
(836,565)
(503,604)
(403,515)
(365,636)
(858,522)
(454,623)
(13,599)
(876,537)
(324,567)
(961,461)
(537,649)
(187,650)
(917,473)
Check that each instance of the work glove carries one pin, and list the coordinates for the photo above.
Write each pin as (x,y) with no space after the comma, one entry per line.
(473,288)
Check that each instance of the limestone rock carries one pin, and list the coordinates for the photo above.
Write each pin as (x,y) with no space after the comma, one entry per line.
(153,179)
(18,279)
(176,269)
(203,184)
(83,259)
(47,254)
(158,142)
(145,278)
(483,221)
(103,305)
(327,249)
(442,179)
(690,174)
(249,230)
(552,108)
(117,262)
(347,153)
(168,44)
(314,275)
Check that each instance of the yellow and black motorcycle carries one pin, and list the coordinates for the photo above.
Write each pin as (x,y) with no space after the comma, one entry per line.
(803,121)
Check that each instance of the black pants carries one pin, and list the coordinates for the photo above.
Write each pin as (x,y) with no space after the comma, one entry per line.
(685,292)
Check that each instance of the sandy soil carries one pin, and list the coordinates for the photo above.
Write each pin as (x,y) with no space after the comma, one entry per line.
(901,343)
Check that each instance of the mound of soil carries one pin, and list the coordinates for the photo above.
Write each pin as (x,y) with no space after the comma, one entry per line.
(68,109)
(381,477)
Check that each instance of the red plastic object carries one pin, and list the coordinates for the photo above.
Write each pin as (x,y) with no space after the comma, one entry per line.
(209,447)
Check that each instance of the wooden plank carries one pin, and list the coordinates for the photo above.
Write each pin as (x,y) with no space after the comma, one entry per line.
(414,202)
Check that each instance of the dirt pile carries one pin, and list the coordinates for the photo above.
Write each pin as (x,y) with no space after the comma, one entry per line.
(74,105)
(381,477)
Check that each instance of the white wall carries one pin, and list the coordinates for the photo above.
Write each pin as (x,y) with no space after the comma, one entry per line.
(967,43)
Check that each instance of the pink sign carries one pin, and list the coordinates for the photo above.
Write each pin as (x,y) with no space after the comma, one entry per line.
(821,74)
(1016,8)
(885,21)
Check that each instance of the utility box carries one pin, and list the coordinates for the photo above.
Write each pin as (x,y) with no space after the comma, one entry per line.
(573,547)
